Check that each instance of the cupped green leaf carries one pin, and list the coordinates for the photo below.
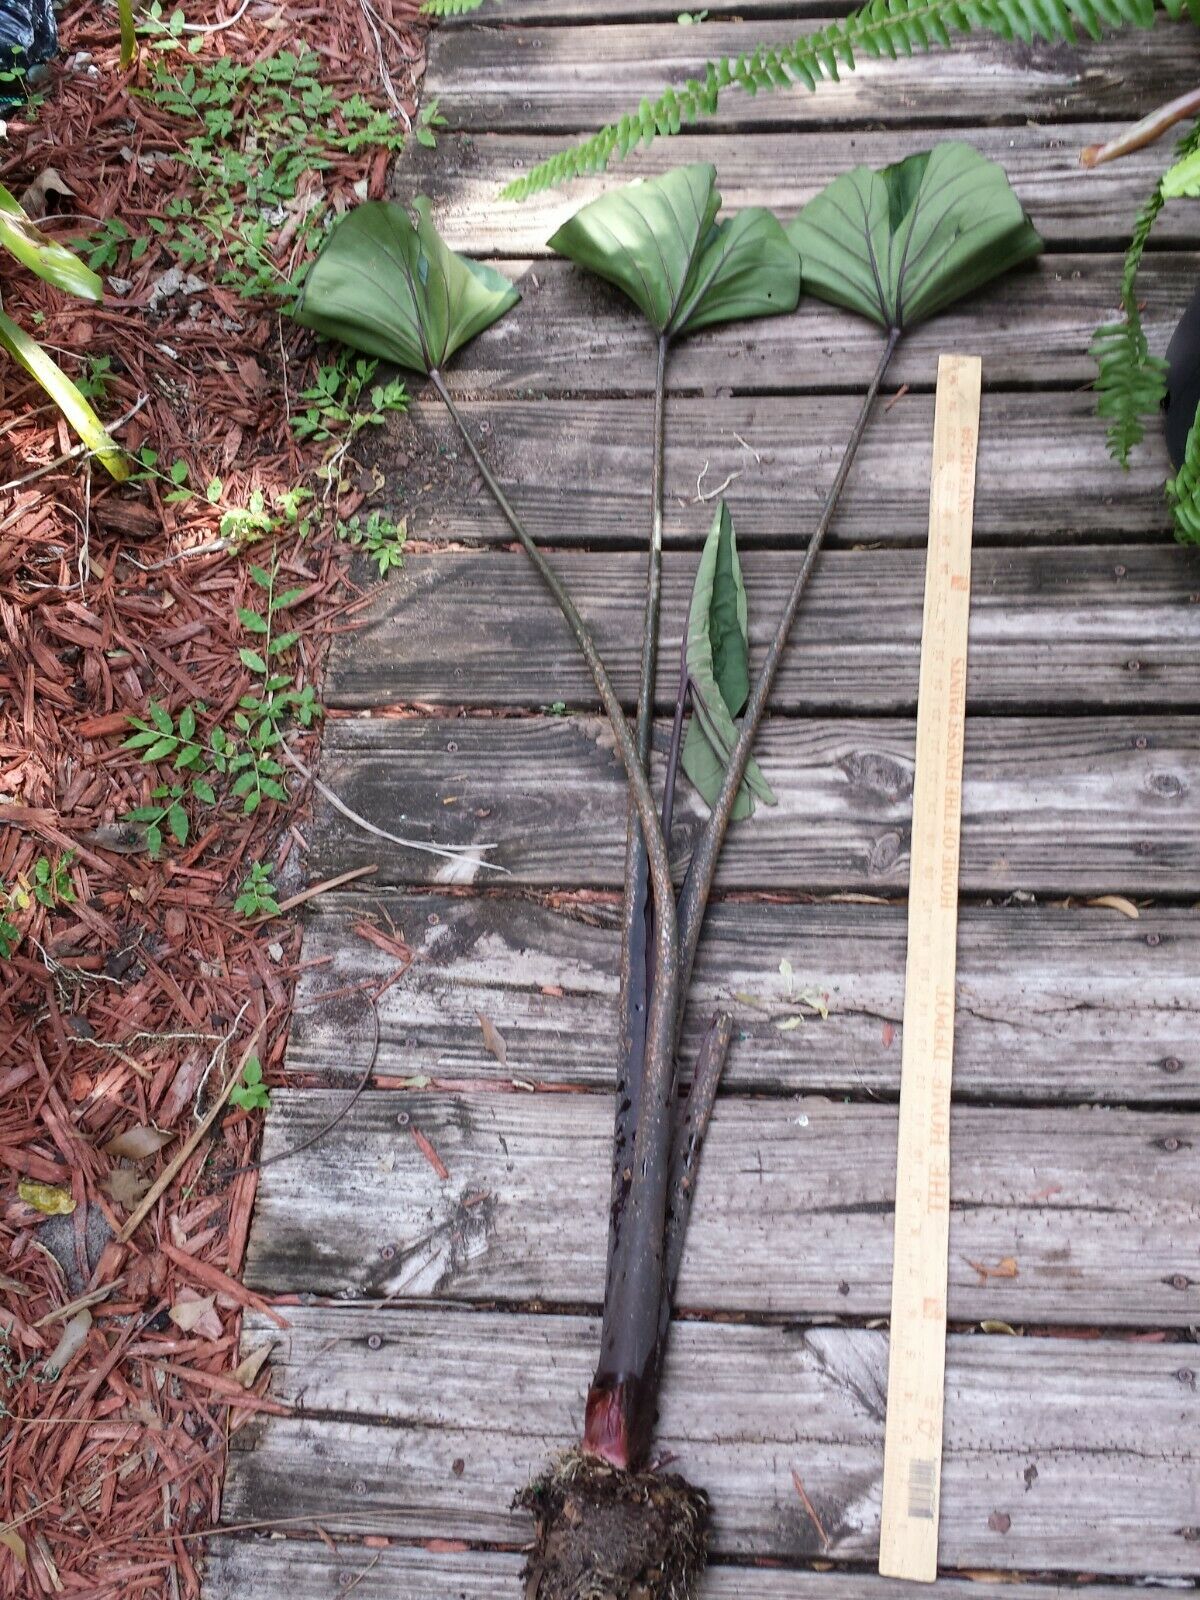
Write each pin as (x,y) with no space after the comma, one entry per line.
(53,262)
(30,355)
(718,662)
(386,283)
(902,243)
(659,242)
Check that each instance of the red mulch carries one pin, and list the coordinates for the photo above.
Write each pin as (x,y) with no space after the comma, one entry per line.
(110,1471)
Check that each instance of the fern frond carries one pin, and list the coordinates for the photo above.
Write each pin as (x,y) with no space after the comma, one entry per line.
(1131,384)
(880,28)
(1183,490)
(449,8)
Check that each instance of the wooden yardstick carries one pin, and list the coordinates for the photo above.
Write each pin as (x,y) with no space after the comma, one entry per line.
(917,1361)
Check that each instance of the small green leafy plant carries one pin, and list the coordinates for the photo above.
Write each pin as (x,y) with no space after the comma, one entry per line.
(377,537)
(10,934)
(51,881)
(252,1093)
(256,135)
(344,398)
(256,898)
(165,814)
(261,716)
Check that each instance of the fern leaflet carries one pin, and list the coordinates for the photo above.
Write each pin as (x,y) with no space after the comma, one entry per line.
(880,28)
(449,8)
(1131,384)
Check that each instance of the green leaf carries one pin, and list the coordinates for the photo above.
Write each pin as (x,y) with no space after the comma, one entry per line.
(385,283)
(660,243)
(187,722)
(718,662)
(129,48)
(252,659)
(51,261)
(903,243)
(27,353)
(1182,181)
(177,821)
(161,717)
(251,621)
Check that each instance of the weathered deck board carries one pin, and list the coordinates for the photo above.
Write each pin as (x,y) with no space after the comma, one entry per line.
(1044,472)
(272,1570)
(544,12)
(571,334)
(1051,805)
(1097,1209)
(578,78)
(1075,1005)
(1094,628)
(463,177)
(1115,1482)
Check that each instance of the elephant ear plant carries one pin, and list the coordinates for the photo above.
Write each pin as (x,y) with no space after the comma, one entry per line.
(897,246)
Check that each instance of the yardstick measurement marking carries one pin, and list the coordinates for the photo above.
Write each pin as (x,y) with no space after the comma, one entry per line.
(917,1360)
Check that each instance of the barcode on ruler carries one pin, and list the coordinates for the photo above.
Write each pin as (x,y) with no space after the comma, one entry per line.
(922,1487)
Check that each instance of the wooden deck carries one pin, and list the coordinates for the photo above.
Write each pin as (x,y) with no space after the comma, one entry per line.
(443,1329)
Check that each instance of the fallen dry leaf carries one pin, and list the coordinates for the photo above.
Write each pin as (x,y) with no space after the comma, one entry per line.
(34,201)
(250,1366)
(138,1143)
(14,1542)
(195,1313)
(1007,1268)
(47,1198)
(125,1186)
(493,1039)
(430,1154)
(74,1337)
(1117,902)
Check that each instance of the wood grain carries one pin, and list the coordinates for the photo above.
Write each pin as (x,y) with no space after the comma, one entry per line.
(579,470)
(504,13)
(1051,805)
(571,334)
(1069,206)
(1097,628)
(1076,1005)
(1096,1209)
(1112,1485)
(567,78)
(303,1569)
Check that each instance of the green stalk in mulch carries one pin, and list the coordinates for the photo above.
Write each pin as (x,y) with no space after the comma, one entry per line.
(896,246)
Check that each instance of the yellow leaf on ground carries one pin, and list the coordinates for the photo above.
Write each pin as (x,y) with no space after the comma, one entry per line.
(47,1198)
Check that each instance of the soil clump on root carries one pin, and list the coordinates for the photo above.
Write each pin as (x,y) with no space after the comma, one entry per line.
(607,1534)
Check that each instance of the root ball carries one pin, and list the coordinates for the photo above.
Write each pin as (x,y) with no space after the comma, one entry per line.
(605,1534)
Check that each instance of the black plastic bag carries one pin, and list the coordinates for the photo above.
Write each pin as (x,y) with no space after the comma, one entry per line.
(28,35)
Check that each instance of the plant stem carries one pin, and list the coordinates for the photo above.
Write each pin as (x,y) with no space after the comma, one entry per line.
(685,1155)
(693,900)
(637,920)
(620,1411)
(660,869)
